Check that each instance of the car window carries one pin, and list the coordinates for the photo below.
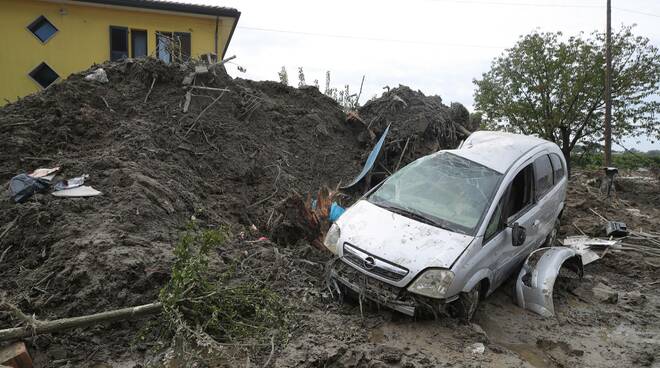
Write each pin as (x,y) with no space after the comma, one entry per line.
(543,174)
(520,192)
(495,224)
(447,190)
(557,167)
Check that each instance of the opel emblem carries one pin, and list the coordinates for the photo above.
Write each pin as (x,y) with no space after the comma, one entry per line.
(369,263)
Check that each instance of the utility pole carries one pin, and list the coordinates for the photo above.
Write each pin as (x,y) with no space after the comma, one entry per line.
(608,87)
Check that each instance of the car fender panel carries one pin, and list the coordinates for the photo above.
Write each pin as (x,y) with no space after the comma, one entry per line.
(477,278)
(536,280)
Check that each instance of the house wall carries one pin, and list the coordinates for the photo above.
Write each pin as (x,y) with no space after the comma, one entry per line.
(84,37)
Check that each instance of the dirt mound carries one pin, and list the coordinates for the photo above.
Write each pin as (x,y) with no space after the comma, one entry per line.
(419,124)
(238,150)
(226,162)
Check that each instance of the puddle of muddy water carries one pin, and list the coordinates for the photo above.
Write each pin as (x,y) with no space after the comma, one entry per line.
(527,351)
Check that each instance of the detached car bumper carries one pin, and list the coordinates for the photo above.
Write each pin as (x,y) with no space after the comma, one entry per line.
(537,277)
(382,293)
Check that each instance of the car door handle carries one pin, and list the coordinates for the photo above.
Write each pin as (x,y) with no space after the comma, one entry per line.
(536,223)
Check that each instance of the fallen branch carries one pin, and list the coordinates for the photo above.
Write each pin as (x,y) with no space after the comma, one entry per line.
(5,253)
(461,129)
(202,113)
(44,327)
(107,105)
(18,314)
(402,153)
(598,214)
(9,226)
(150,88)
(210,88)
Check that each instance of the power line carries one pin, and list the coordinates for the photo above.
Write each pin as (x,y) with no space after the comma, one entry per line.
(542,5)
(636,12)
(364,38)
(505,3)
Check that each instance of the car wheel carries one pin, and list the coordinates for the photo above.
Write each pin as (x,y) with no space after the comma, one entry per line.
(551,240)
(467,304)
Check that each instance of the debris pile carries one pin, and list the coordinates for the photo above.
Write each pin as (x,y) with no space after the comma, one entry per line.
(420,124)
(163,144)
(241,148)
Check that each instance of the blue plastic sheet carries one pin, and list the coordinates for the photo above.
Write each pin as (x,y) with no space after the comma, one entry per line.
(371,160)
(335,211)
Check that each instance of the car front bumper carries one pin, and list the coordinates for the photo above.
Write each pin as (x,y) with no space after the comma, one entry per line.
(382,293)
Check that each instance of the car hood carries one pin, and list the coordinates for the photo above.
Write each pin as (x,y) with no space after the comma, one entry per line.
(400,240)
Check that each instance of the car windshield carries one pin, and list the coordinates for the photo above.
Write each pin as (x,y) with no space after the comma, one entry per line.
(443,190)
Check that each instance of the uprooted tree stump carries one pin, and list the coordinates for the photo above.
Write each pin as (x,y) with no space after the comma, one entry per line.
(299,219)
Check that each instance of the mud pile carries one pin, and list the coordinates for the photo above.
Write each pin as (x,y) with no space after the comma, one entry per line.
(226,162)
(241,147)
(420,124)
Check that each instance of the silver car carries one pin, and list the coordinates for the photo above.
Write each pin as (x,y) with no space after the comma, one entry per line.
(449,228)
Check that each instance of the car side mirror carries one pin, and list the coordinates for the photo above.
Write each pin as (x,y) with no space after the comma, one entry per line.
(518,235)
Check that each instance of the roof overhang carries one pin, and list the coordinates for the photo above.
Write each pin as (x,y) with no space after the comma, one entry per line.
(167,6)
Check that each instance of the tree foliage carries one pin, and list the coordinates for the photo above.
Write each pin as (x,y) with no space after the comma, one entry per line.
(553,86)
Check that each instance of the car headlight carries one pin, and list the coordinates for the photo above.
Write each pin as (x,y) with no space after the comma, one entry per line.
(332,238)
(433,283)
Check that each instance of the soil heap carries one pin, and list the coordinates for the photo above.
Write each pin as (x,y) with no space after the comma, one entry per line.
(224,163)
(420,124)
(241,147)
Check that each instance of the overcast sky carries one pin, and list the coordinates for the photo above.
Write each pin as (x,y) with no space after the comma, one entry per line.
(437,46)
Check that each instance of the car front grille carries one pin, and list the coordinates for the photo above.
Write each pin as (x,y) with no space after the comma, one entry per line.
(378,289)
(373,264)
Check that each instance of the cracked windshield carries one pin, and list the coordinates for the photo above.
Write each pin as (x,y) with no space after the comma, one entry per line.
(443,190)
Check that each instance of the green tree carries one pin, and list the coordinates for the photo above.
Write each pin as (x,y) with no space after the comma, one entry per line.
(553,86)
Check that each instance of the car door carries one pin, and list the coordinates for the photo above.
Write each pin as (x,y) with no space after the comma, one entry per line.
(545,197)
(518,206)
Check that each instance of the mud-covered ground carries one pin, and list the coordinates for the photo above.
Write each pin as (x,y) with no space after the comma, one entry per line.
(230,163)
(586,331)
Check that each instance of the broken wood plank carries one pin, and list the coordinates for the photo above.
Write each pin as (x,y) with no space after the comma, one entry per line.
(15,356)
(44,327)
(186,104)
(210,88)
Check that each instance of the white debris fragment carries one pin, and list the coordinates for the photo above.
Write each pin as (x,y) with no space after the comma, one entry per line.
(188,79)
(476,348)
(82,191)
(201,69)
(584,246)
(98,75)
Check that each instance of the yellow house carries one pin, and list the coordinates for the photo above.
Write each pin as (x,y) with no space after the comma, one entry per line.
(45,40)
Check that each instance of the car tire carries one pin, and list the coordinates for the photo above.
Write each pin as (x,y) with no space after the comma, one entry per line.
(467,304)
(551,240)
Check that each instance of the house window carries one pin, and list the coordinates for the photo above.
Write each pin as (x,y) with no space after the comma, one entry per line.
(118,43)
(173,46)
(43,29)
(138,43)
(163,46)
(182,39)
(44,75)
